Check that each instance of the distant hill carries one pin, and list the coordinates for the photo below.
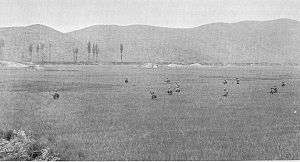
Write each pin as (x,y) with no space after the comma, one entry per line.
(18,39)
(275,41)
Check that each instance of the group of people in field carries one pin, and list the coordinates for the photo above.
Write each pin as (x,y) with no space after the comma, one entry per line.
(274,89)
(169,91)
(55,95)
(225,82)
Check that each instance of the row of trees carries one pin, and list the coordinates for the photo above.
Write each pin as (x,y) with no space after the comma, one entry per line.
(40,50)
(94,50)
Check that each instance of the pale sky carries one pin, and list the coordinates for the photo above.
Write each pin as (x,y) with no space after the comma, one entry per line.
(68,15)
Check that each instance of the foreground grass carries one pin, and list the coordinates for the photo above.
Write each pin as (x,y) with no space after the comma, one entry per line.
(16,145)
(99,118)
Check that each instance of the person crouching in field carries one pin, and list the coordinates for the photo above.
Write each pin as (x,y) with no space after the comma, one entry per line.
(274,90)
(237,80)
(225,92)
(167,80)
(153,96)
(55,94)
(177,89)
(170,92)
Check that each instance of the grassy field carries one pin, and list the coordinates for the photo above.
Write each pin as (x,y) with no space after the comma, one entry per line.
(99,117)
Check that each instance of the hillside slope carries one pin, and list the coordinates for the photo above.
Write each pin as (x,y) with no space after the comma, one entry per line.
(53,45)
(275,41)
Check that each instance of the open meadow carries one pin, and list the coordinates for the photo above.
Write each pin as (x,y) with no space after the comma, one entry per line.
(99,117)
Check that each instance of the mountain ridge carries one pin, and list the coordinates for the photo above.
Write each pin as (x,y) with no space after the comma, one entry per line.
(274,41)
(244,21)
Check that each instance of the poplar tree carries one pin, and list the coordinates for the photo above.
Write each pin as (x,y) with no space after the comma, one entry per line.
(2,44)
(89,50)
(30,49)
(121,51)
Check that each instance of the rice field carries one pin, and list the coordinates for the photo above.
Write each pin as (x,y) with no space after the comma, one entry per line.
(99,117)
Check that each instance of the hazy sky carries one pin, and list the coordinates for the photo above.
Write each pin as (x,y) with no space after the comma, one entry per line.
(68,15)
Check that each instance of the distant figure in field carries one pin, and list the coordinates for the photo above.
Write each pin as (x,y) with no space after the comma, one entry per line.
(126,80)
(274,90)
(170,92)
(177,88)
(55,95)
(153,96)
(237,80)
(283,84)
(225,81)
(168,80)
(225,92)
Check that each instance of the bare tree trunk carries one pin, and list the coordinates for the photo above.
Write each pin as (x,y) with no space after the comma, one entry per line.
(49,52)
(121,57)
(42,56)
(1,53)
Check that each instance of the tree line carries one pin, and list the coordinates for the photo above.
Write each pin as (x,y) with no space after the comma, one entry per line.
(93,49)
(43,52)
(39,49)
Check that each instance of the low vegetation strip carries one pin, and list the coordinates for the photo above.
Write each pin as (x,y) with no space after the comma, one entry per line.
(16,145)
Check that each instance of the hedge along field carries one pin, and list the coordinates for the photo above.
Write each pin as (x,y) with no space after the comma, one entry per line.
(99,117)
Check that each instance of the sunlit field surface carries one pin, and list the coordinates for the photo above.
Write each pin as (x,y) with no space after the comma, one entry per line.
(99,117)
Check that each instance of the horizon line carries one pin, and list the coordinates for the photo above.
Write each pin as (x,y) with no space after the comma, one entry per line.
(148,25)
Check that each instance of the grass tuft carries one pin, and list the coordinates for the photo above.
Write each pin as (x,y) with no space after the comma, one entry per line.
(16,145)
